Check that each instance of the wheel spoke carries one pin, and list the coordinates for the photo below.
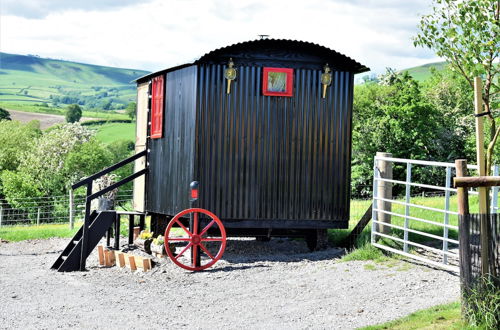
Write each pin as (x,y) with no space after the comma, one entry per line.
(211,239)
(206,251)
(207,227)
(195,223)
(182,239)
(183,227)
(194,255)
(183,251)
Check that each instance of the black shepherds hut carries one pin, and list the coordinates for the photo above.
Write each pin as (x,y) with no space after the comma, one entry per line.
(264,126)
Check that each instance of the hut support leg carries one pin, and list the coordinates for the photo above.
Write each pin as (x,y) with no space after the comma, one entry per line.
(317,239)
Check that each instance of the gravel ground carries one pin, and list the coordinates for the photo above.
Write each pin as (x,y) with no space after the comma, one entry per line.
(257,285)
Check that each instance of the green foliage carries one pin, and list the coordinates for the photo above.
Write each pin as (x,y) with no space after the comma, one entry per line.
(4,114)
(85,159)
(73,113)
(15,139)
(394,117)
(483,304)
(467,35)
(131,110)
(42,171)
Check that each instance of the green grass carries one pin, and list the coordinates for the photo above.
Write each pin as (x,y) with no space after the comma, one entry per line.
(437,317)
(21,233)
(365,251)
(111,132)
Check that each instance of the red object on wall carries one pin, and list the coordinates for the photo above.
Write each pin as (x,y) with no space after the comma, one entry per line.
(157,97)
(277,82)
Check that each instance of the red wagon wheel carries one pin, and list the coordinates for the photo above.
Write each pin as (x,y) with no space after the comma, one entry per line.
(207,249)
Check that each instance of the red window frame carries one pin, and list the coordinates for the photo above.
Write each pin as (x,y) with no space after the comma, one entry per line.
(289,82)
(157,101)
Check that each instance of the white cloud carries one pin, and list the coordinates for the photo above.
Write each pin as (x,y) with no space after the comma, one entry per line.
(160,34)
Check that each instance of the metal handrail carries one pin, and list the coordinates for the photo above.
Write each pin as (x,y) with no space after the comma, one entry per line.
(109,169)
(91,196)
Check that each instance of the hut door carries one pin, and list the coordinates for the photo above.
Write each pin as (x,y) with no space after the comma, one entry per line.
(140,145)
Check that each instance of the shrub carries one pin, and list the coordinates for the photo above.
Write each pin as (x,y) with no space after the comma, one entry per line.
(73,113)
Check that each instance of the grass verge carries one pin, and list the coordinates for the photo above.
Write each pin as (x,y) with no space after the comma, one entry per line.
(437,317)
(21,233)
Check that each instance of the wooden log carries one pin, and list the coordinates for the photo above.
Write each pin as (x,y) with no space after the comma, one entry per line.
(144,244)
(132,264)
(137,231)
(100,253)
(121,258)
(109,258)
(476,181)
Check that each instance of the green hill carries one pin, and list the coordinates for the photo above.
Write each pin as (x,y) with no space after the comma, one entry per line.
(29,80)
(423,72)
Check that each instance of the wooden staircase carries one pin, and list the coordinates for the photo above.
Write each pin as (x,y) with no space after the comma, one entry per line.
(71,257)
(95,223)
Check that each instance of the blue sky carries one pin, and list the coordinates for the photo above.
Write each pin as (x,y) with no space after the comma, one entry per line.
(155,34)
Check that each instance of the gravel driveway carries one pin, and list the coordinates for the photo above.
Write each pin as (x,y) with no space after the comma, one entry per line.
(257,285)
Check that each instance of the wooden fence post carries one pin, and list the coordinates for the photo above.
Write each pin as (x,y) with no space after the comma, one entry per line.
(38,217)
(1,214)
(385,192)
(464,232)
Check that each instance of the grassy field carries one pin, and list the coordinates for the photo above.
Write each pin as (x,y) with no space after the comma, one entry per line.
(30,80)
(111,132)
(61,111)
(423,72)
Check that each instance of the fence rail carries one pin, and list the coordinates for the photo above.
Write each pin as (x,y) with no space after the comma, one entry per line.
(414,230)
(50,209)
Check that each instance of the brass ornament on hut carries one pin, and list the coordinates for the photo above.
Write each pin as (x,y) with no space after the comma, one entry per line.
(230,74)
(326,79)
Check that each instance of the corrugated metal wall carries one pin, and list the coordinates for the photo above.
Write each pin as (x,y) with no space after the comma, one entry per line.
(262,157)
(171,160)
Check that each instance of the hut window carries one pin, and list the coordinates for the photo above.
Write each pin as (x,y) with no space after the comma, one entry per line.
(277,82)
(157,107)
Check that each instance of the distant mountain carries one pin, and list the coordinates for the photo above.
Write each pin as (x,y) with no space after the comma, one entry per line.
(423,72)
(31,79)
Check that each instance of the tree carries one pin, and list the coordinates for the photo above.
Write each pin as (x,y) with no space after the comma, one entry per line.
(130,110)
(396,118)
(15,139)
(4,114)
(467,35)
(73,113)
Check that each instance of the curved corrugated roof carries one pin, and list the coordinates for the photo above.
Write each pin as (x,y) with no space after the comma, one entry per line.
(319,54)
(328,55)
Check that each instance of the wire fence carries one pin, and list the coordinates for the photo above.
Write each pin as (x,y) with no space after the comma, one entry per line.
(51,209)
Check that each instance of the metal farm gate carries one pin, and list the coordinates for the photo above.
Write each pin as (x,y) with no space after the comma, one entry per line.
(418,227)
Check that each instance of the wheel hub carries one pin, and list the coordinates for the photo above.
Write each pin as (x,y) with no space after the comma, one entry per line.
(196,239)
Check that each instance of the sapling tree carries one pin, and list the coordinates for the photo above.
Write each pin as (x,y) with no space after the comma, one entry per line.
(467,34)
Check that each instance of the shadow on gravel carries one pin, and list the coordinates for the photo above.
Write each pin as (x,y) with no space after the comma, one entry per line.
(232,268)
(276,250)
